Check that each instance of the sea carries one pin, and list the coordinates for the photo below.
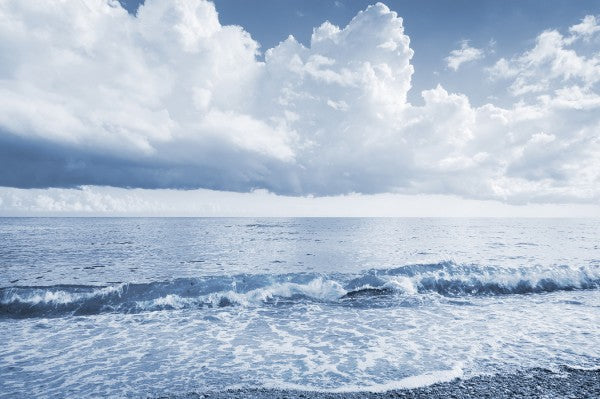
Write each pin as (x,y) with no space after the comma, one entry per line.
(160,307)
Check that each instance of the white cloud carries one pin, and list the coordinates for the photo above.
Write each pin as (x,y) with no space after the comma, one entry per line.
(171,98)
(552,62)
(587,28)
(102,201)
(462,55)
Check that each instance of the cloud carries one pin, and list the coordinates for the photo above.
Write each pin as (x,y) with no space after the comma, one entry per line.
(587,28)
(172,99)
(552,62)
(103,201)
(462,55)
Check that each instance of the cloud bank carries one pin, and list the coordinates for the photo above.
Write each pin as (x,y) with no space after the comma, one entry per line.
(111,201)
(170,98)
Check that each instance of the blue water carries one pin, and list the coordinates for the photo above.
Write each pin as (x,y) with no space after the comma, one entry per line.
(139,307)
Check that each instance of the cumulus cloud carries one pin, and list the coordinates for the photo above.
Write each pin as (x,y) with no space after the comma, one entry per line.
(170,98)
(462,55)
(552,63)
(587,28)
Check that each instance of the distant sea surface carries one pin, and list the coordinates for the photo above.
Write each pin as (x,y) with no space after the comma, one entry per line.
(134,307)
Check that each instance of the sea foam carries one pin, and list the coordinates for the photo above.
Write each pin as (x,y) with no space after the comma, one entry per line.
(446,279)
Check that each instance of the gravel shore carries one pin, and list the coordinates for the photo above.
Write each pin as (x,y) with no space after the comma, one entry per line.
(533,383)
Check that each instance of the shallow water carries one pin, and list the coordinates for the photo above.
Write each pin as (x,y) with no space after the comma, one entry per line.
(137,307)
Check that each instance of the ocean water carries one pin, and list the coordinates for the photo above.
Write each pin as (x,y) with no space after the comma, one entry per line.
(148,307)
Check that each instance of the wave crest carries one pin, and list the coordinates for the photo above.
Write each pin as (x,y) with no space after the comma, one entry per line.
(444,278)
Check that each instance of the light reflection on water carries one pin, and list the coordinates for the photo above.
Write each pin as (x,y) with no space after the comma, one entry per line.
(320,340)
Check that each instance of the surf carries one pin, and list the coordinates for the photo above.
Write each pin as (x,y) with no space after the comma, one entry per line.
(445,279)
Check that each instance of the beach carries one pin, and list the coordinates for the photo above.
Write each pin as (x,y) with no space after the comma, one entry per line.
(533,383)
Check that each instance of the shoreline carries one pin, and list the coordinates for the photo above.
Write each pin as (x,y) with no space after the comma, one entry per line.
(532,383)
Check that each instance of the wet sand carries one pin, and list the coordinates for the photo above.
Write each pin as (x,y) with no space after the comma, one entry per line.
(533,383)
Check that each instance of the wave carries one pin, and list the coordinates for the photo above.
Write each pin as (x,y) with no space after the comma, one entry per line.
(412,382)
(446,279)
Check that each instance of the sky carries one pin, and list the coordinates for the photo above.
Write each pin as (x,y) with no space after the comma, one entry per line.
(299,108)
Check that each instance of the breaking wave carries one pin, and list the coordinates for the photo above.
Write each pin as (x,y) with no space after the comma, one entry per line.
(447,279)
